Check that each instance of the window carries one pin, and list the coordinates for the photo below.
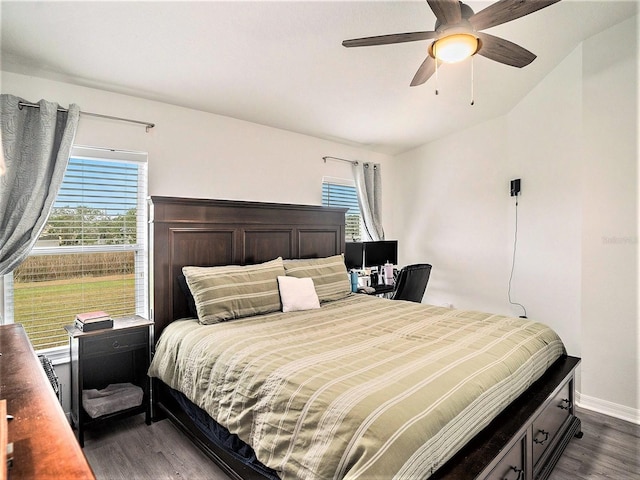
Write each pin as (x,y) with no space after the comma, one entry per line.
(338,192)
(91,254)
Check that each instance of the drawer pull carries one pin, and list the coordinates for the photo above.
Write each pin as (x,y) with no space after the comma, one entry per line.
(546,437)
(519,471)
(568,405)
(115,344)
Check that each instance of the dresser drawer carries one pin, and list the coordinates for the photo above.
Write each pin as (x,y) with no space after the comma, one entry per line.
(512,464)
(548,423)
(122,341)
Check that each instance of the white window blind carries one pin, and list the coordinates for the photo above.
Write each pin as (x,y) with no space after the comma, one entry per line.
(91,254)
(342,193)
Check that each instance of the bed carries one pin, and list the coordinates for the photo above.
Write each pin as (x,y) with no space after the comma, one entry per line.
(321,410)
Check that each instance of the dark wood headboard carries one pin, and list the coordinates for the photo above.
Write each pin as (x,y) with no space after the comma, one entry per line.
(188,231)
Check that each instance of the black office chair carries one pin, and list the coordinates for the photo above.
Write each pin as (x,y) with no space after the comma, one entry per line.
(412,282)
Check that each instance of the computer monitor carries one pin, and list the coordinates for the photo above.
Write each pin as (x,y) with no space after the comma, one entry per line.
(354,255)
(381,252)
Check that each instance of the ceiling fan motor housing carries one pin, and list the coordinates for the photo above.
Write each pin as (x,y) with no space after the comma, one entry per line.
(447,30)
(465,11)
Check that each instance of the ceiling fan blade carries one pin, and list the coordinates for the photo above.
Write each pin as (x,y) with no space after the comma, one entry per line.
(387,39)
(506,10)
(447,11)
(504,51)
(424,72)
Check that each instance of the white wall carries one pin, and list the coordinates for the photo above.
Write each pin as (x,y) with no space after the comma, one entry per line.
(573,142)
(202,155)
(545,150)
(610,220)
(453,215)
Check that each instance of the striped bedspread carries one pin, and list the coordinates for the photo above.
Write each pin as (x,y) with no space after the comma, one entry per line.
(362,388)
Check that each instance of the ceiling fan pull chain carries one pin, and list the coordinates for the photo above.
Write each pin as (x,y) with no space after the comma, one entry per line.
(472,81)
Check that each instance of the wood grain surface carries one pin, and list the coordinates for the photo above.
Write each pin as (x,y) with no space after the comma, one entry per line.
(44,445)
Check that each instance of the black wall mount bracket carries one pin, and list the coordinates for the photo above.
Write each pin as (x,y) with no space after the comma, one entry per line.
(515,187)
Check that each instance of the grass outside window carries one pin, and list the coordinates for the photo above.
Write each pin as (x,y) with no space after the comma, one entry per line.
(44,303)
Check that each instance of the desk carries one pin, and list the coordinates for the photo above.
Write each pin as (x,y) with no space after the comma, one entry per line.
(383,289)
(44,445)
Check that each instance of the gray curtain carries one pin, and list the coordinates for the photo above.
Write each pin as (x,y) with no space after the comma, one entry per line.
(3,168)
(36,143)
(369,187)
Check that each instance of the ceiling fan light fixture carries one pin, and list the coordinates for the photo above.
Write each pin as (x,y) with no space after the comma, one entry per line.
(454,48)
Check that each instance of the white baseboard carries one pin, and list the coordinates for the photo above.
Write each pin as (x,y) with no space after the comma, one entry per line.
(608,408)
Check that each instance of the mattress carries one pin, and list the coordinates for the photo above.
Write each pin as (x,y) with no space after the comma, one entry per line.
(362,388)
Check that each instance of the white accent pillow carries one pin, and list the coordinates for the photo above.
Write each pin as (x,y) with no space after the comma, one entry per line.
(297,294)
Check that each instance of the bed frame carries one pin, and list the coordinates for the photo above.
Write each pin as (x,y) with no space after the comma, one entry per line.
(523,443)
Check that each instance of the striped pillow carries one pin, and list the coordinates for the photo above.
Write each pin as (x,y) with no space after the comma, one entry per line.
(329,275)
(234,291)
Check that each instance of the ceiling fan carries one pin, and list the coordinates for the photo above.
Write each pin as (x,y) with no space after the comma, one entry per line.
(457,34)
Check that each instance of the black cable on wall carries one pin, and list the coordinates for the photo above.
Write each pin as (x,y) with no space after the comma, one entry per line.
(515,192)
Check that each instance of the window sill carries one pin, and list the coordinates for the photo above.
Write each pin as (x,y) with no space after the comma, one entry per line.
(57,355)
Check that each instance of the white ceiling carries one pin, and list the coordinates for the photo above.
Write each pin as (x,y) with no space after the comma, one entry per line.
(282,63)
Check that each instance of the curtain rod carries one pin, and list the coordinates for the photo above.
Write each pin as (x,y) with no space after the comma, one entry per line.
(148,125)
(352,162)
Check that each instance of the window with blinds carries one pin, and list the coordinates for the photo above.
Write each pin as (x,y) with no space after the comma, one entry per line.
(91,254)
(342,193)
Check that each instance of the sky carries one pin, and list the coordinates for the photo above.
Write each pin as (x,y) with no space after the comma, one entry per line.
(107,185)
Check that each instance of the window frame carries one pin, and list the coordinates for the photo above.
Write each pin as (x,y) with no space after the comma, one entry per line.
(345,182)
(60,354)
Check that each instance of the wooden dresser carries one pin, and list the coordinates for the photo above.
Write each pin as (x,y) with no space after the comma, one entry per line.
(44,446)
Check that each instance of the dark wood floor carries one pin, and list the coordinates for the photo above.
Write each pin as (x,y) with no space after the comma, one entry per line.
(131,450)
(609,449)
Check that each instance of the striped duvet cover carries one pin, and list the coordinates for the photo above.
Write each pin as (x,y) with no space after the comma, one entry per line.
(362,388)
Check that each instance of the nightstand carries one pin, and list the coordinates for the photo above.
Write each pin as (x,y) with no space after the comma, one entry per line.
(109,356)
